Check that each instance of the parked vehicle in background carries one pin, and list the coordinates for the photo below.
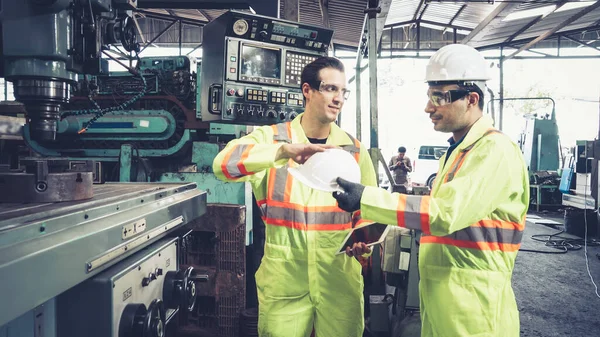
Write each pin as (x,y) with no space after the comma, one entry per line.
(426,164)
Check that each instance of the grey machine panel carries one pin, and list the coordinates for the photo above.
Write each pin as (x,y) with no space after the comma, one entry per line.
(48,248)
(251,66)
(95,308)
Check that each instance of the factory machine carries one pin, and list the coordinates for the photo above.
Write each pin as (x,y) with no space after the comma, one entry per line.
(100,214)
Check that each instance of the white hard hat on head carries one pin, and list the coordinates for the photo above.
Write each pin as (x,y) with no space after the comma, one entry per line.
(322,169)
(457,63)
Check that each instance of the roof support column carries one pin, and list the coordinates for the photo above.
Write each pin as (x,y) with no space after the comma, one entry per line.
(501,96)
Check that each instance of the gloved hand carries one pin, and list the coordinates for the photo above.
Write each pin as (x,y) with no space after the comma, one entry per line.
(349,200)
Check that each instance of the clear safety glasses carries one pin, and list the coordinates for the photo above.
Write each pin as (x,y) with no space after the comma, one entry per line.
(333,90)
(439,98)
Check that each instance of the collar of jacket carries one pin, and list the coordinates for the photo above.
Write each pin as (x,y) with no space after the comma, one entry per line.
(337,136)
(477,131)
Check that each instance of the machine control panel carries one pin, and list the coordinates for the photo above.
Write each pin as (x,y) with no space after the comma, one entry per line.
(260,105)
(252,67)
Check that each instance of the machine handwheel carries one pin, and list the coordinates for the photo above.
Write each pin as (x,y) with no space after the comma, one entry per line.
(155,320)
(132,320)
(179,289)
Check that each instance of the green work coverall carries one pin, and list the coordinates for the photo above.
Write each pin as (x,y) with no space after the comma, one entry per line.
(472,225)
(301,282)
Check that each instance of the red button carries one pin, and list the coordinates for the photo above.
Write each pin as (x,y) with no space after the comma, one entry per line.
(232,70)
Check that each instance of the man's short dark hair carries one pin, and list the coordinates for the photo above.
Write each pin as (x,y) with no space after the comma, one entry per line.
(474,88)
(310,73)
(402,149)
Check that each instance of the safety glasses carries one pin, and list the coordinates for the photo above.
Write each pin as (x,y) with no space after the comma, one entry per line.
(332,90)
(440,98)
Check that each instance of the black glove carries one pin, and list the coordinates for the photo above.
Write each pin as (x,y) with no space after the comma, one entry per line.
(349,200)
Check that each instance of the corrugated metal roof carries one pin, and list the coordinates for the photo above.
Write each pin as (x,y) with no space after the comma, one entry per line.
(484,20)
(345,18)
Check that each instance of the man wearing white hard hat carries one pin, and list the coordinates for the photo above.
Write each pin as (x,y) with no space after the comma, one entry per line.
(301,283)
(473,221)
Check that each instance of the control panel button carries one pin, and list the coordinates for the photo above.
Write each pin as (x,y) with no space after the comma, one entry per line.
(230,92)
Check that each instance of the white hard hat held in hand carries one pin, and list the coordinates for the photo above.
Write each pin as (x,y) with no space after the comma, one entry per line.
(322,169)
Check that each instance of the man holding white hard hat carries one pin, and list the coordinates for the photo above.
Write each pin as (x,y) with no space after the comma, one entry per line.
(302,283)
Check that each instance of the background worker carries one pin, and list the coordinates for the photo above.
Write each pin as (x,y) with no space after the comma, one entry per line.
(301,282)
(473,222)
(400,166)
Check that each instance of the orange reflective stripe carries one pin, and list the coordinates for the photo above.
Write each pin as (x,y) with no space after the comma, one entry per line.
(424,210)
(455,166)
(299,207)
(224,164)
(287,194)
(240,164)
(400,210)
(413,212)
(458,162)
(305,219)
(504,247)
(271,182)
(233,162)
(304,227)
(485,234)
(500,224)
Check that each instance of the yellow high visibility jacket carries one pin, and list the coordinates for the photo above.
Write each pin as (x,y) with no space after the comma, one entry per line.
(301,281)
(472,225)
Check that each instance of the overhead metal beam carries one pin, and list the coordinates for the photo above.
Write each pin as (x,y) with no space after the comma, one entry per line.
(400,24)
(205,14)
(158,36)
(137,26)
(170,18)
(458,12)
(416,15)
(532,51)
(439,24)
(502,9)
(560,26)
(194,4)
(581,42)
(533,22)
(423,12)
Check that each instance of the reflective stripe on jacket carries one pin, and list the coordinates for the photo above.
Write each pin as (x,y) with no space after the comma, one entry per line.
(472,226)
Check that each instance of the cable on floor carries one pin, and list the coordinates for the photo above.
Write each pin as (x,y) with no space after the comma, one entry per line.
(560,243)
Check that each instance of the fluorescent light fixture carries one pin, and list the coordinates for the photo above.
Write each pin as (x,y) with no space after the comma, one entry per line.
(530,13)
(575,5)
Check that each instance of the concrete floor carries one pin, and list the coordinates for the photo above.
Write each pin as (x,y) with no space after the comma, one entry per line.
(554,292)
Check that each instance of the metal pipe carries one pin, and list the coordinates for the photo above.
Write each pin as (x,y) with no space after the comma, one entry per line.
(158,36)
(501,96)
(180,35)
(373,82)
(358,104)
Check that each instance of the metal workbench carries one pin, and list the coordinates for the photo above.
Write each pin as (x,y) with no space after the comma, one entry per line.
(47,248)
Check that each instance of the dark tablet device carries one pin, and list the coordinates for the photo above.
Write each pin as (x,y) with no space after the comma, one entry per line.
(370,234)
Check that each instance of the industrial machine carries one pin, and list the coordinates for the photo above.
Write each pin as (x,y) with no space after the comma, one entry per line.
(119,167)
(251,68)
(540,144)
